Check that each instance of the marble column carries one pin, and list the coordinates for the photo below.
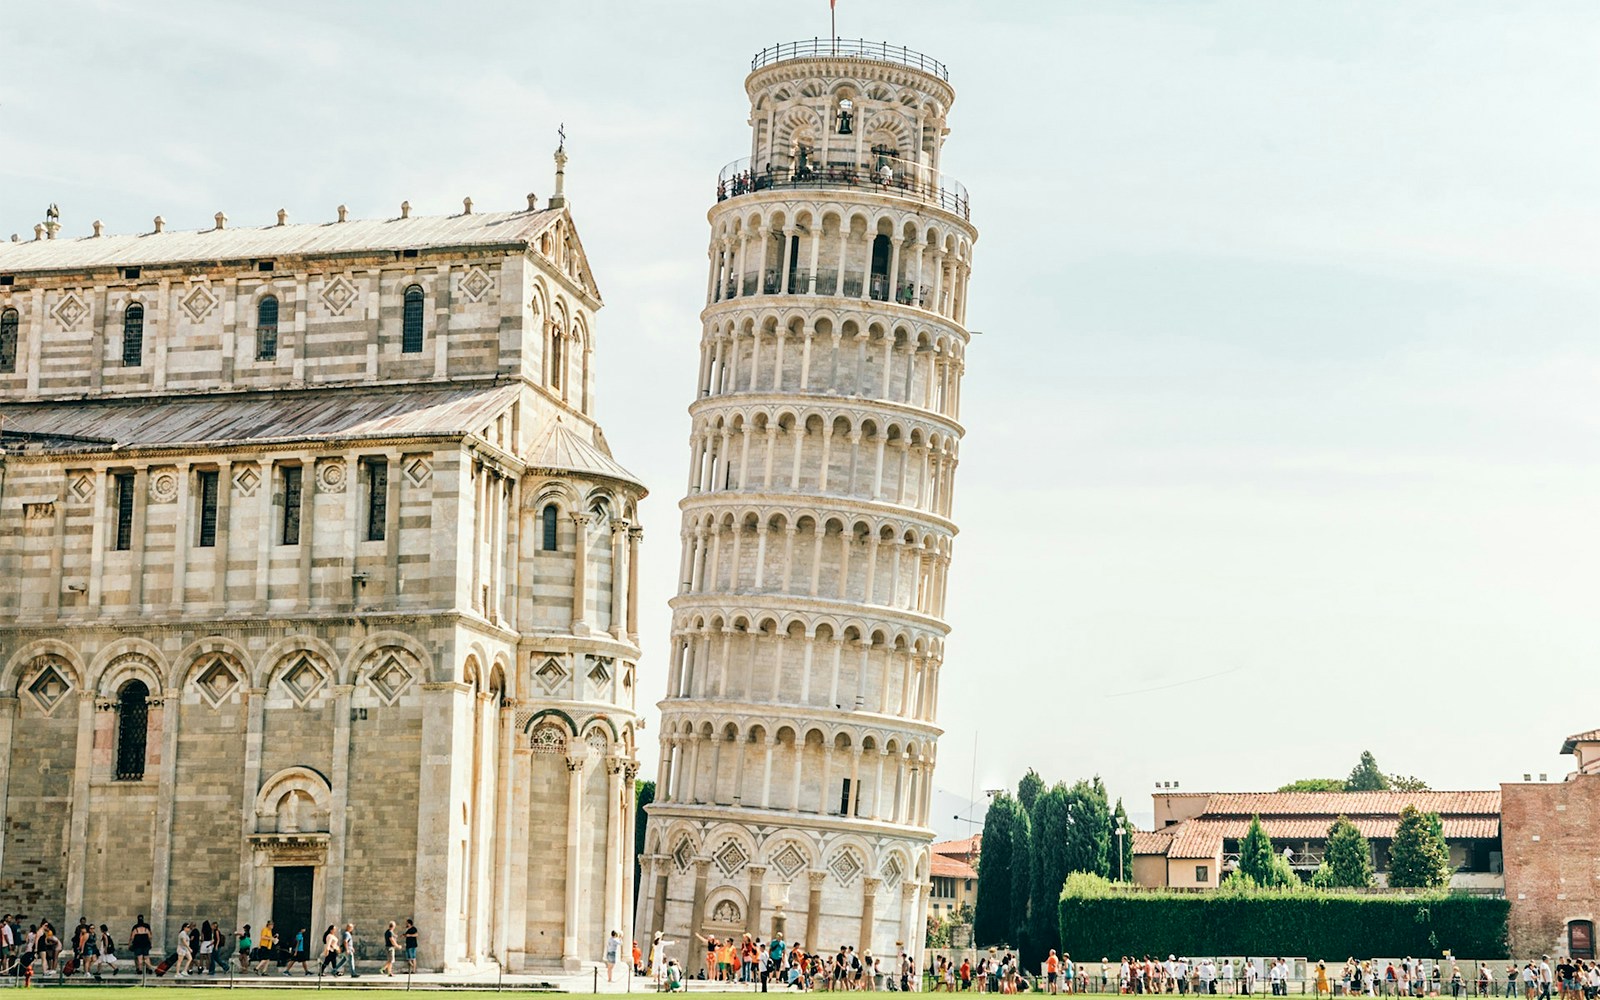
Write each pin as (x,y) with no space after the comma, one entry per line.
(571,958)
(580,574)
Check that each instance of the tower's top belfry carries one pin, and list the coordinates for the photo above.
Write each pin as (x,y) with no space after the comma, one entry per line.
(852,112)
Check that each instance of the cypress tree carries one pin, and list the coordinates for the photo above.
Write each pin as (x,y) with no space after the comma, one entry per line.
(991,921)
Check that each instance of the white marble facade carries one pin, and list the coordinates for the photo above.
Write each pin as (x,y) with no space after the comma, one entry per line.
(798,728)
(322,584)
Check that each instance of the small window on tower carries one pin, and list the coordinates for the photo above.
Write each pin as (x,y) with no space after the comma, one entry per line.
(291,504)
(549,517)
(377,497)
(9,322)
(411,322)
(267,329)
(133,336)
(208,510)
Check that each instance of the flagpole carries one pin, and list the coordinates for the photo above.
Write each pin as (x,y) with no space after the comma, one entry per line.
(833,24)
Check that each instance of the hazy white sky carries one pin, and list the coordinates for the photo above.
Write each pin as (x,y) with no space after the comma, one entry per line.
(1282,425)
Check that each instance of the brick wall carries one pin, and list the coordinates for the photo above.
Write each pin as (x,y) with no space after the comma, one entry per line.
(1552,860)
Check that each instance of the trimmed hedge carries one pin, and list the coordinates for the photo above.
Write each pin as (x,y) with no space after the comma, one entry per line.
(1316,925)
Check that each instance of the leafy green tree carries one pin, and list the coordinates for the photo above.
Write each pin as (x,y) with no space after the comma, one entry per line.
(1119,818)
(1028,790)
(1348,856)
(1365,776)
(1407,783)
(1089,828)
(1255,853)
(1418,858)
(1314,785)
(644,793)
(1280,874)
(1023,849)
(992,921)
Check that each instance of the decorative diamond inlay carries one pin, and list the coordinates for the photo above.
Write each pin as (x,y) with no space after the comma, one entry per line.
(683,855)
(845,866)
(419,470)
(551,674)
(81,487)
(50,688)
(246,480)
(303,678)
(789,861)
(892,872)
(69,310)
(216,681)
(390,678)
(730,857)
(337,295)
(602,670)
(198,303)
(475,284)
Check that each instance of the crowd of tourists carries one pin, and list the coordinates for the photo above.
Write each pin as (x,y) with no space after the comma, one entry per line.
(1566,979)
(776,964)
(203,949)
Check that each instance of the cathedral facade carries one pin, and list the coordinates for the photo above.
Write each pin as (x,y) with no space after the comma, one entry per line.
(320,585)
(798,728)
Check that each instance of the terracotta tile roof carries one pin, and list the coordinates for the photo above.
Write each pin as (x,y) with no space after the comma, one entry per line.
(1352,804)
(1151,841)
(961,848)
(1203,837)
(943,866)
(1571,744)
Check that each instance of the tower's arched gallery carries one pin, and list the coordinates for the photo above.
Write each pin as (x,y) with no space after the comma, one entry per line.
(798,733)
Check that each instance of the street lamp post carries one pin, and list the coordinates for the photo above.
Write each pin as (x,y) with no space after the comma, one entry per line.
(1121,830)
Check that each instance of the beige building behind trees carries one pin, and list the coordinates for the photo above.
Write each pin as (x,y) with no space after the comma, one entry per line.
(320,584)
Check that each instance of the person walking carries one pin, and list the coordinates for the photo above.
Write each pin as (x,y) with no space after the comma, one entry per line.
(185,955)
(106,954)
(245,944)
(264,945)
(301,952)
(390,946)
(348,946)
(139,940)
(330,950)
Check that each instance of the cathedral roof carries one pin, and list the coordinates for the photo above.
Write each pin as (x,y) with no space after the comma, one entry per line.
(174,246)
(260,418)
(561,449)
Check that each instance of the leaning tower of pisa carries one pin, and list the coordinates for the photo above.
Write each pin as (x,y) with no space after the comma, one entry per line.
(798,729)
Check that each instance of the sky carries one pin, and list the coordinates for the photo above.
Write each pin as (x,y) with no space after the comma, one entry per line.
(1281,416)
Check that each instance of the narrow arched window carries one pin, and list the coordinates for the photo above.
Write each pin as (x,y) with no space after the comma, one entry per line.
(267,329)
(133,723)
(556,360)
(549,525)
(9,321)
(411,324)
(133,336)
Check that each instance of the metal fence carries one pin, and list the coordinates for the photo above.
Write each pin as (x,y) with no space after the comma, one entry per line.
(850,48)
